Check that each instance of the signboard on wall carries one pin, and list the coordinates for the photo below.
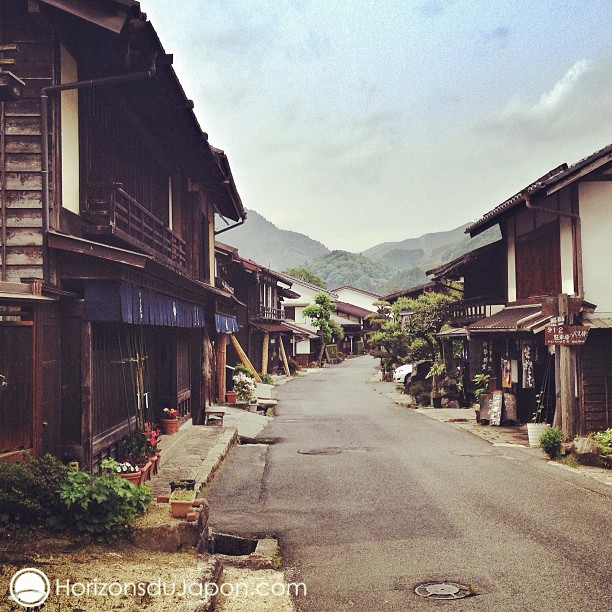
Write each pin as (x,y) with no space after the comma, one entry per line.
(565,335)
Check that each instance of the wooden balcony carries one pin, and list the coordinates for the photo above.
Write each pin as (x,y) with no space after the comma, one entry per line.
(111,210)
(270,314)
(470,311)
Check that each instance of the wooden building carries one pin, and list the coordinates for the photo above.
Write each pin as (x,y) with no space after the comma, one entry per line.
(557,258)
(108,194)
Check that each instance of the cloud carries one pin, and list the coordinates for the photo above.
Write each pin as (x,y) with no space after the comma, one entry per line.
(431,8)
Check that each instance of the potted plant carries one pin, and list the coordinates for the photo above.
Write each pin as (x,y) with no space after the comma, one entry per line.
(170,421)
(183,483)
(181,502)
(153,452)
(244,385)
(482,382)
(134,448)
(125,469)
(538,423)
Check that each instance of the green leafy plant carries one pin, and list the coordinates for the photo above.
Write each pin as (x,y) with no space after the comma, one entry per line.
(183,495)
(266,379)
(241,368)
(550,441)
(103,506)
(29,491)
(482,384)
(421,392)
(604,440)
(134,447)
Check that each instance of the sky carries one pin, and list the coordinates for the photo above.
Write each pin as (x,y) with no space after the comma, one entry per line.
(360,122)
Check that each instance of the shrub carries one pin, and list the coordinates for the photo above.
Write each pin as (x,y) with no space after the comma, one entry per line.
(550,440)
(29,490)
(266,379)
(242,368)
(604,439)
(103,506)
(244,386)
(421,392)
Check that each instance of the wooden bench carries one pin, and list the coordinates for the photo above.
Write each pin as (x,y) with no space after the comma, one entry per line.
(214,415)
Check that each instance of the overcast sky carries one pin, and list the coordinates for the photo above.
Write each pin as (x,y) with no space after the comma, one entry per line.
(360,122)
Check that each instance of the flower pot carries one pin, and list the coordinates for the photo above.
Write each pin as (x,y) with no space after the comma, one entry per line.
(180,508)
(133,477)
(534,431)
(231,397)
(169,426)
(184,483)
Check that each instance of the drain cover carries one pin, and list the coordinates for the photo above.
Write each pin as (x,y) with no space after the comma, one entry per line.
(442,590)
(331,450)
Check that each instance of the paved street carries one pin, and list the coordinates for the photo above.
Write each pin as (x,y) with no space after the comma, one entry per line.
(369,499)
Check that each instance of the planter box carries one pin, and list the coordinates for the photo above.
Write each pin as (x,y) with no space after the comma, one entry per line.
(180,508)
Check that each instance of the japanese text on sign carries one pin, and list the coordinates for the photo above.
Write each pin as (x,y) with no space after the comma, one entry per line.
(566,335)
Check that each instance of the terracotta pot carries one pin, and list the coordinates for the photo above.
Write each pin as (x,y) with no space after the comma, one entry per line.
(231,397)
(169,426)
(133,477)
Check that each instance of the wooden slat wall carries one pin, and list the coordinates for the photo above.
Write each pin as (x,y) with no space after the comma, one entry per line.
(20,160)
(596,379)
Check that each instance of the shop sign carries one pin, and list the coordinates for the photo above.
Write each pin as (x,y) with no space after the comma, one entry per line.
(565,335)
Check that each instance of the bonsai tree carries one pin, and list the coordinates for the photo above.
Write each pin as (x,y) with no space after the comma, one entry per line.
(320,315)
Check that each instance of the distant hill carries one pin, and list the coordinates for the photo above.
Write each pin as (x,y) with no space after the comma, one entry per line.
(260,240)
(384,268)
(427,243)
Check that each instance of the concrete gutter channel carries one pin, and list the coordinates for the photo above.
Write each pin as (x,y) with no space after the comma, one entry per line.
(195,452)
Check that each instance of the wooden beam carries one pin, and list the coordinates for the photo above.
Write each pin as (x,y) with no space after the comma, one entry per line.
(221,363)
(244,358)
(283,355)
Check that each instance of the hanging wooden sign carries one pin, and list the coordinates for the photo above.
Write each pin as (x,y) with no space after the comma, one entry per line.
(565,335)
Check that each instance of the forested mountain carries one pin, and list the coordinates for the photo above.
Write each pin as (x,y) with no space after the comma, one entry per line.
(384,268)
(270,246)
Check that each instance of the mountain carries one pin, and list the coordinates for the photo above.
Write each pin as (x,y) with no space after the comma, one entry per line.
(384,268)
(260,240)
(427,243)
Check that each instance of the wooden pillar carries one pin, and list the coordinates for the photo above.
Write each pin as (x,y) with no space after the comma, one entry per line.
(264,352)
(221,363)
(86,457)
(567,379)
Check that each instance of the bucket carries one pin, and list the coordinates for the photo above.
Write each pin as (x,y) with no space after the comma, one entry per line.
(534,431)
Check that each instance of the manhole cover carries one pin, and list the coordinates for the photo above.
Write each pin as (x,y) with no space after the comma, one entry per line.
(442,590)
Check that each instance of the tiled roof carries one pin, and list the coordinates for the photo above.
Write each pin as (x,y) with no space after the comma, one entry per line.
(351,309)
(513,319)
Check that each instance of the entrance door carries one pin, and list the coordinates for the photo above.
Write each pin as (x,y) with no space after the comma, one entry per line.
(16,390)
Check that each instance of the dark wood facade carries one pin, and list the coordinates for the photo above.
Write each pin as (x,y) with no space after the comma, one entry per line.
(121,211)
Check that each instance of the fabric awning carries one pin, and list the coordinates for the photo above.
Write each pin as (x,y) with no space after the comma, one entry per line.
(123,301)
(515,319)
(226,324)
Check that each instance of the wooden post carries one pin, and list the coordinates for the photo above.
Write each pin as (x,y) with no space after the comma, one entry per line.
(221,363)
(566,374)
(264,352)
(243,357)
(283,355)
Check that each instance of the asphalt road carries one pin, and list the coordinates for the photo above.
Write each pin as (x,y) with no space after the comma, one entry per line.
(369,499)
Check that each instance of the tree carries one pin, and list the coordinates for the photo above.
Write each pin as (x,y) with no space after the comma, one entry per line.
(306,275)
(412,336)
(320,314)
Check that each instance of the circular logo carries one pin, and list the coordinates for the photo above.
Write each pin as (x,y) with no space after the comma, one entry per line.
(30,587)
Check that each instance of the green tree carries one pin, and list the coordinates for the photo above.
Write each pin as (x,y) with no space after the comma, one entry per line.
(307,275)
(320,314)
(412,336)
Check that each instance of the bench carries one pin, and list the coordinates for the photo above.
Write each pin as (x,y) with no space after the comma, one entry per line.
(214,415)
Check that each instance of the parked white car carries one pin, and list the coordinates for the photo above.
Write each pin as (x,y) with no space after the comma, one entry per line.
(402,373)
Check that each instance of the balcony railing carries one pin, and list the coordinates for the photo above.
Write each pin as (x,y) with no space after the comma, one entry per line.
(276,314)
(470,311)
(111,210)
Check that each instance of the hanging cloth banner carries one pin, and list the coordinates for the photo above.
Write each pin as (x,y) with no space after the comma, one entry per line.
(527,354)
(121,301)
(226,324)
